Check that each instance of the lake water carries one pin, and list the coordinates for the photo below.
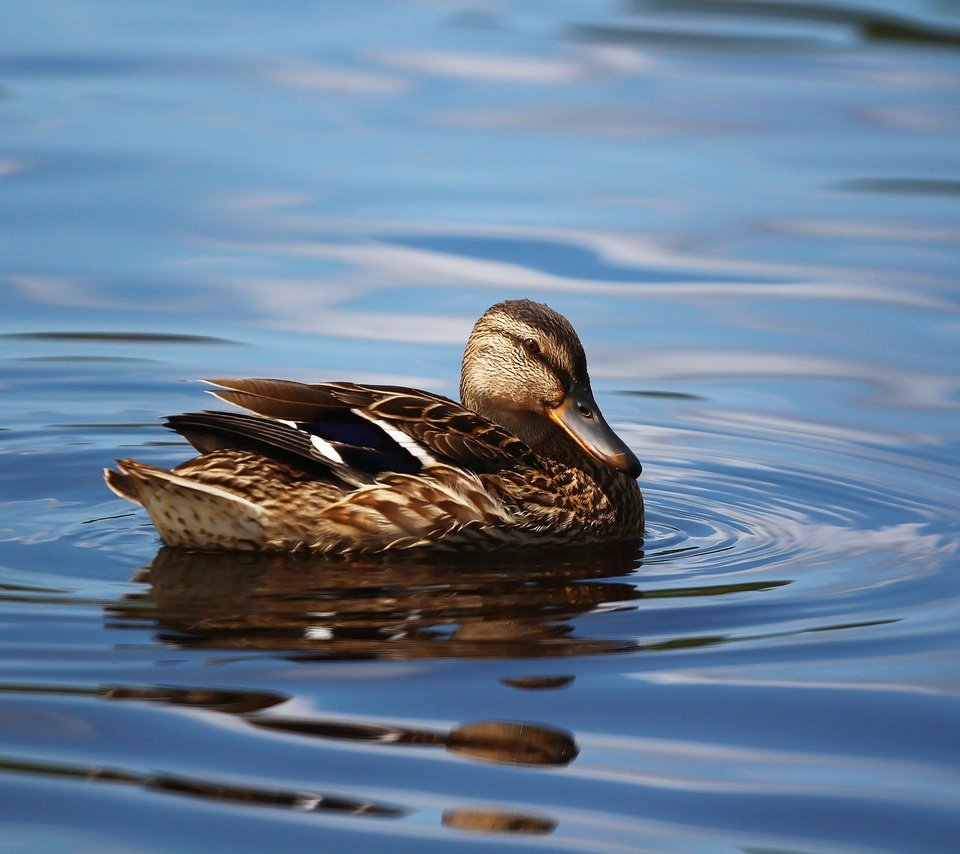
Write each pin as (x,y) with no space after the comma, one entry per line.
(751,213)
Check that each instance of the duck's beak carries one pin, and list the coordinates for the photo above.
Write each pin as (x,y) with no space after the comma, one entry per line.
(580,418)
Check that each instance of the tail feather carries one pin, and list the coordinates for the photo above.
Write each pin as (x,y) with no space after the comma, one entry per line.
(122,484)
(187,512)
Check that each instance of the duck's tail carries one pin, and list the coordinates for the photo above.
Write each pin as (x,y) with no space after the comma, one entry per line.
(187,512)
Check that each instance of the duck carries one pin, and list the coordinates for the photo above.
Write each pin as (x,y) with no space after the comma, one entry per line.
(339,468)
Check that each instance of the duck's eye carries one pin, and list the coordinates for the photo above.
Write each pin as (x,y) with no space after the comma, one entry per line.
(531,346)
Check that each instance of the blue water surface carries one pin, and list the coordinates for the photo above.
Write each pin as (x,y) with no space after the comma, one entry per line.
(750,210)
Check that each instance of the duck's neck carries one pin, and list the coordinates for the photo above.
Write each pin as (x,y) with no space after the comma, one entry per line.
(558,446)
(540,433)
(621,490)
(547,440)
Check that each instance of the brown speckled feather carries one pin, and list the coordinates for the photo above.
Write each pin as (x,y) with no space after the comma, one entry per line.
(444,427)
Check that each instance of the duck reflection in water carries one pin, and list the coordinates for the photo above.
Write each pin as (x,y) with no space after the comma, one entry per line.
(310,608)
(486,741)
(495,605)
(502,605)
(505,742)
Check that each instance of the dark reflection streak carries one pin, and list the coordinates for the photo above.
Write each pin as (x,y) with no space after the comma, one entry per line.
(859,625)
(55,600)
(300,801)
(114,425)
(869,24)
(80,359)
(215,700)
(904,31)
(538,683)
(901,186)
(712,640)
(346,731)
(485,820)
(56,690)
(686,643)
(653,556)
(59,599)
(713,589)
(676,38)
(124,337)
(506,742)
(212,699)
(666,395)
(107,518)
(834,627)
(30,588)
(490,741)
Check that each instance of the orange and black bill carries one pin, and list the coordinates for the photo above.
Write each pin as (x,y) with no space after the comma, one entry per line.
(581,419)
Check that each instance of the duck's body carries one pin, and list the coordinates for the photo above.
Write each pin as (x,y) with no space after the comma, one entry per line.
(341,468)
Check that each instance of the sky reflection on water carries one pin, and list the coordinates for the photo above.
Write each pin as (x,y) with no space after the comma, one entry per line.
(748,210)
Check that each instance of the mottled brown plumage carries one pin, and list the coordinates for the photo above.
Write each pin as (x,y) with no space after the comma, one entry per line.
(342,468)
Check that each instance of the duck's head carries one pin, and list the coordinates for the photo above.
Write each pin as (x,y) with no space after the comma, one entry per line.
(524,368)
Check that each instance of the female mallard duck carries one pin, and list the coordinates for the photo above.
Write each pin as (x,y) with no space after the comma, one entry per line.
(340,468)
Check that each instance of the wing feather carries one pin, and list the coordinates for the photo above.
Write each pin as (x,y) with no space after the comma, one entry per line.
(446,430)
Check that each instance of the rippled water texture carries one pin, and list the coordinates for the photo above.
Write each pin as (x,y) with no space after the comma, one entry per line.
(751,212)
